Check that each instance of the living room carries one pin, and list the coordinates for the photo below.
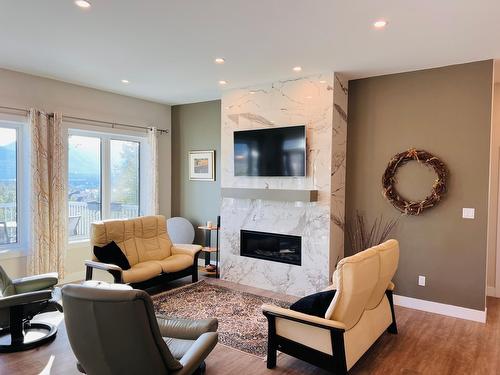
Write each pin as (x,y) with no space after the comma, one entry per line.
(319,195)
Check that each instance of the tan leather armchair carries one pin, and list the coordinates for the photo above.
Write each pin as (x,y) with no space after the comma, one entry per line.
(360,312)
(114,330)
(148,248)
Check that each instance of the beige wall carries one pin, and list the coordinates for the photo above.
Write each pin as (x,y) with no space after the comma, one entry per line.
(195,127)
(494,179)
(446,111)
(23,90)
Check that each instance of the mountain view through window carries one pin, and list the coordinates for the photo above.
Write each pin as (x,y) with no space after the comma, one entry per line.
(92,159)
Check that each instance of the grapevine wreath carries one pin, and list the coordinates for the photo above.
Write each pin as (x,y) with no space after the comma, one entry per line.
(389,181)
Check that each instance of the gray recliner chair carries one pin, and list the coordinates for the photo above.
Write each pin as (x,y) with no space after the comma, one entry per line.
(20,300)
(115,331)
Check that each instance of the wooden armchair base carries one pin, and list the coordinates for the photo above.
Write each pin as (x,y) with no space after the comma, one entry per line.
(157,281)
(335,363)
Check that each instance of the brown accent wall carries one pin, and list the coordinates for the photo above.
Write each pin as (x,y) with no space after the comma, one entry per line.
(195,127)
(446,111)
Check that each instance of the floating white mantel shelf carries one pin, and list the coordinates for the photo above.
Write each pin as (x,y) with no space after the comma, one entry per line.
(282,195)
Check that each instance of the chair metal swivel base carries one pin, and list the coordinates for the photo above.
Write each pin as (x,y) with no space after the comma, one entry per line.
(21,337)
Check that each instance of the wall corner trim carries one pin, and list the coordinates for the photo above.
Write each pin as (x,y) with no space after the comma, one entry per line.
(441,308)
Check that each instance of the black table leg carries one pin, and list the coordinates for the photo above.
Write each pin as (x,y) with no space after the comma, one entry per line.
(208,238)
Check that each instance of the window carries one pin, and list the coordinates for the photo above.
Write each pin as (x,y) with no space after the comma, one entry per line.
(103,179)
(124,179)
(10,178)
(84,184)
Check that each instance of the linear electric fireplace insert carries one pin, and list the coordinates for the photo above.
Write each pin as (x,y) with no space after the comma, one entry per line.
(270,246)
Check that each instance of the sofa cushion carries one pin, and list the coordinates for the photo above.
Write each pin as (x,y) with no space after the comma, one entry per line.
(141,272)
(152,241)
(141,239)
(188,249)
(112,254)
(315,304)
(176,262)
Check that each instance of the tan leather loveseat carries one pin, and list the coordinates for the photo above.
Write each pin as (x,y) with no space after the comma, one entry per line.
(146,244)
(360,312)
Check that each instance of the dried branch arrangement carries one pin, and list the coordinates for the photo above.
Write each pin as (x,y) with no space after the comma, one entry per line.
(389,180)
(361,236)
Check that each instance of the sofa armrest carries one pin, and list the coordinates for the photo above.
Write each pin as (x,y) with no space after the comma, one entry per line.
(103,266)
(197,353)
(299,317)
(113,269)
(186,329)
(25,298)
(34,283)
(187,249)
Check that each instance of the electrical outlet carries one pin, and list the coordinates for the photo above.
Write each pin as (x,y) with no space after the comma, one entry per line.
(421,280)
(468,213)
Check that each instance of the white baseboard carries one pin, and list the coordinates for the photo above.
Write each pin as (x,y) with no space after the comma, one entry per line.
(491,291)
(441,308)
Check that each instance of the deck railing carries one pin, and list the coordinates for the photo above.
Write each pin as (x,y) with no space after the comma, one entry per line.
(88,213)
(81,213)
(8,211)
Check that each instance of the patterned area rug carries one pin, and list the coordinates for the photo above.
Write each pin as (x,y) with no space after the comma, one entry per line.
(241,323)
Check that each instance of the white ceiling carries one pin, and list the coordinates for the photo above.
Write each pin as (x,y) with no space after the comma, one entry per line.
(166,48)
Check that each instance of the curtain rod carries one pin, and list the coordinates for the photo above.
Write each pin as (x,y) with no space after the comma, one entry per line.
(112,124)
(15,109)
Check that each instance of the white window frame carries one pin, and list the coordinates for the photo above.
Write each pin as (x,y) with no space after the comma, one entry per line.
(19,248)
(106,137)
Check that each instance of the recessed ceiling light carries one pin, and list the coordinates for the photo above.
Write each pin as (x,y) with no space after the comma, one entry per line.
(252,92)
(322,81)
(82,3)
(220,60)
(297,68)
(222,82)
(125,81)
(380,24)
(309,97)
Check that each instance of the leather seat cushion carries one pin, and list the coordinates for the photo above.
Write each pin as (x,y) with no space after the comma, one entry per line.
(140,239)
(178,347)
(142,271)
(177,262)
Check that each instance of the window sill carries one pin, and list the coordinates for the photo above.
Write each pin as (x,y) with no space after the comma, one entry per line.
(78,244)
(12,253)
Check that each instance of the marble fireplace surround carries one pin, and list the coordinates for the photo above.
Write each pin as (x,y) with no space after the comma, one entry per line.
(320,103)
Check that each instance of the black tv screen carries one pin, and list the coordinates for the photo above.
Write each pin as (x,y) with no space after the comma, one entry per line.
(270,152)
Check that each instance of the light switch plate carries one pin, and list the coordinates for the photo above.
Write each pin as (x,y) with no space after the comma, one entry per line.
(421,280)
(468,213)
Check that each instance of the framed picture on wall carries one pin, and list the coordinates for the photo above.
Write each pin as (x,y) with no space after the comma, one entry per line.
(202,165)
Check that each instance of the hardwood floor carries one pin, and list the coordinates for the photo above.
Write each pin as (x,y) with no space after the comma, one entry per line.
(426,344)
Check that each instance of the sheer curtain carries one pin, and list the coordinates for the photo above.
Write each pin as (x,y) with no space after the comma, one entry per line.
(48,194)
(152,166)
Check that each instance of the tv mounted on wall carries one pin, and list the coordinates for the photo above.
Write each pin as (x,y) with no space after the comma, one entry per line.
(270,152)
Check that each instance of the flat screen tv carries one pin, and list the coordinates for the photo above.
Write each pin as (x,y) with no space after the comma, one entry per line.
(270,152)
